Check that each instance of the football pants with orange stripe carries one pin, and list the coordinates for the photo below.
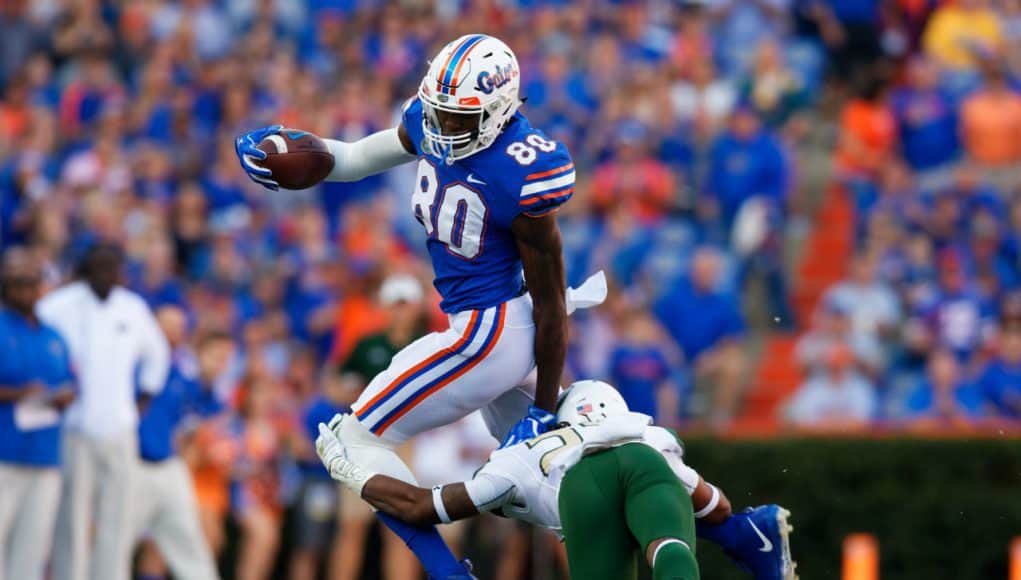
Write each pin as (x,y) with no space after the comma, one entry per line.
(480,363)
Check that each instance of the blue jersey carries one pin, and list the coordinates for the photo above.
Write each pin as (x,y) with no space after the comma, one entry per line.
(182,396)
(467,208)
(30,353)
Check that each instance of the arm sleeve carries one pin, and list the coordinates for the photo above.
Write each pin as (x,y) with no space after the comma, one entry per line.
(368,156)
(488,490)
(155,353)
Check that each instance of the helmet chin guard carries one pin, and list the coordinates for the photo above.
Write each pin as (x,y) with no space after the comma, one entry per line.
(473,75)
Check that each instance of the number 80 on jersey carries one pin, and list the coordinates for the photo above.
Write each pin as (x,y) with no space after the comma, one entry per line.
(460,213)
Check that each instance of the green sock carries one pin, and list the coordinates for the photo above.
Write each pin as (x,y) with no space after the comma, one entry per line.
(674,561)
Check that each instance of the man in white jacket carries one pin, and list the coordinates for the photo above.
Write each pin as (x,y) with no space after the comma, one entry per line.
(111,333)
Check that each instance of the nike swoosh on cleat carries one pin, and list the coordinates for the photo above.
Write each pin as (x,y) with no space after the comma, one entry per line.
(473,179)
(767,546)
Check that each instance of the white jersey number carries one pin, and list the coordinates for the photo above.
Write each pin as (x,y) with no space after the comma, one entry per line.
(455,215)
(525,154)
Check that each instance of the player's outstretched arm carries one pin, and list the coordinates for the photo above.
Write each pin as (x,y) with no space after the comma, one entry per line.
(410,503)
(541,250)
(417,505)
(370,155)
(351,161)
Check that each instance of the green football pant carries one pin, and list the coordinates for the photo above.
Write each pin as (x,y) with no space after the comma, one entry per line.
(614,504)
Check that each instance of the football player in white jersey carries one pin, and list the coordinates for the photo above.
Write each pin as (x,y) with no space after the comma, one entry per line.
(606,461)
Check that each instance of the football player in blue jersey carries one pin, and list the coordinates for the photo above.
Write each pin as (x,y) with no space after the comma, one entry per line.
(487,191)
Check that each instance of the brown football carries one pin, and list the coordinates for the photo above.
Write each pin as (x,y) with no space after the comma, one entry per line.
(298,159)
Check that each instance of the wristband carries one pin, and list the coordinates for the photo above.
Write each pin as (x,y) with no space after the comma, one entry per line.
(441,510)
(713,502)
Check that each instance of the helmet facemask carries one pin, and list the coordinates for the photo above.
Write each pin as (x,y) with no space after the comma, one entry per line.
(453,147)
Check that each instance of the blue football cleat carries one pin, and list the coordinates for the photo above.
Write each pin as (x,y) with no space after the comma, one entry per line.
(765,548)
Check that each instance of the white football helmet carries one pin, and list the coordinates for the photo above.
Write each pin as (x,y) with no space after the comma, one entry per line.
(474,75)
(590,402)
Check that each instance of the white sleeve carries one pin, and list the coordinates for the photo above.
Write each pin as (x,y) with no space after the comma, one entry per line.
(45,309)
(50,308)
(154,352)
(489,491)
(367,156)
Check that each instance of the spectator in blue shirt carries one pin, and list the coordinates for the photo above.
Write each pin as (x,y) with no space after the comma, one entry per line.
(35,387)
(1000,382)
(707,324)
(745,161)
(957,317)
(319,496)
(154,278)
(835,397)
(944,398)
(747,188)
(927,120)
(164,507)
(640,369)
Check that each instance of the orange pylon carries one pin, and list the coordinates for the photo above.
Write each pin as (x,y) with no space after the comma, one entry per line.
(1015,559)
(861,557)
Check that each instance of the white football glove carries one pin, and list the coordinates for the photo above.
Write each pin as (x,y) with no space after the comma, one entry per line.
(333,454)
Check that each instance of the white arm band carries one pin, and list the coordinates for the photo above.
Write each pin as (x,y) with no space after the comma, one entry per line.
(441,510)
(368,156)
(709,507)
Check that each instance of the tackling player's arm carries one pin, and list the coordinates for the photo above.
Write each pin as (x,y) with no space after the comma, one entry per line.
(416,505)
(541,249)
(486,491)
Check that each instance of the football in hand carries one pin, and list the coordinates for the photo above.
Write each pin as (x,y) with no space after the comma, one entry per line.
(298,159)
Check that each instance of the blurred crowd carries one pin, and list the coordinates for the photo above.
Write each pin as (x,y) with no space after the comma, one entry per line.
(926,328)
(689,122)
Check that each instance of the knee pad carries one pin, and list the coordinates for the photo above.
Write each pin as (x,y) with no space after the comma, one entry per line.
(371,452)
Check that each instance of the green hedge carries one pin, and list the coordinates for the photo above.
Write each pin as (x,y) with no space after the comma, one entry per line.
(941,509)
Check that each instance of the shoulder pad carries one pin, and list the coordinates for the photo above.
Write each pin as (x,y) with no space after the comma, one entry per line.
(546,173)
